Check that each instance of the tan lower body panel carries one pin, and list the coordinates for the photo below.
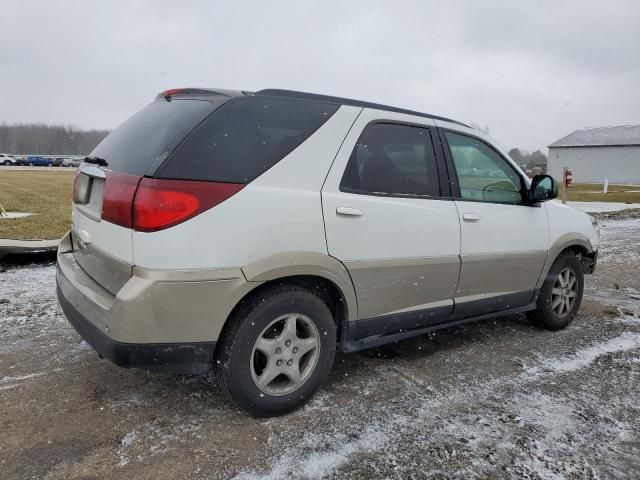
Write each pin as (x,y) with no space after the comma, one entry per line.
(498,273)
(153,308)
(387,286)
(108,271)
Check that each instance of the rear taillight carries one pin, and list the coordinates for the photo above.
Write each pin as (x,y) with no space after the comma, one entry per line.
(117,201)
(161,204)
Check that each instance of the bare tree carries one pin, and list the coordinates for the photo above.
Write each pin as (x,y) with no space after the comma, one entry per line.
(44,139)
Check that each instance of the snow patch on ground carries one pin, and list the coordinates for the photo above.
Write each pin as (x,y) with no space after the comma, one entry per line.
(10,215)
(127,441)
(19,377)
(583,358)
(321,463)
(155,439)
(28,309)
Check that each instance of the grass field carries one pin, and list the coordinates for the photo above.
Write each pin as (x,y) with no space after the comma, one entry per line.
(592,192)
(46,193)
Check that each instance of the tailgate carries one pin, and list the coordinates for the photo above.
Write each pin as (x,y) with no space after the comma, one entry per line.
(102,249)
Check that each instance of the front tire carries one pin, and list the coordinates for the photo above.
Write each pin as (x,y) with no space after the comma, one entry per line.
(561,294)
(277,351)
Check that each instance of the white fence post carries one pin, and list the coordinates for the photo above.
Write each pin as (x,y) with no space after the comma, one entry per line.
(606,186)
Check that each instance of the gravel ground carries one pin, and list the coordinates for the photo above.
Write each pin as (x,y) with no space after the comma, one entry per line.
(498,399)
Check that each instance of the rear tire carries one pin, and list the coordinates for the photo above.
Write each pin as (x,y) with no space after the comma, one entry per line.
(277,350)
(561,294)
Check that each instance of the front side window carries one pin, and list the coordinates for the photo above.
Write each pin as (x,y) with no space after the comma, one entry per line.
(482,173)
(393,160)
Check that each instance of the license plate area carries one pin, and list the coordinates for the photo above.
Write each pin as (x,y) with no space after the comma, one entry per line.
(87,195)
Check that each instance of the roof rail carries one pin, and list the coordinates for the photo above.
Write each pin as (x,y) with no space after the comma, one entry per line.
(274,92)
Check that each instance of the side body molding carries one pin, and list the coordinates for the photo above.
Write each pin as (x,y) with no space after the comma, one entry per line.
(305,263)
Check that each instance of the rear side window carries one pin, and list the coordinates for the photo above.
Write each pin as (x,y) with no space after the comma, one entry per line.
(149,136)
(245,138)
(392,159)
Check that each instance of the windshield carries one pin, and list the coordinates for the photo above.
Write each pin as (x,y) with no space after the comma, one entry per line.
(148,137)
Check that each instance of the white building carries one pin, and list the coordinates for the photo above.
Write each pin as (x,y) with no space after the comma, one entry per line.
(596,154)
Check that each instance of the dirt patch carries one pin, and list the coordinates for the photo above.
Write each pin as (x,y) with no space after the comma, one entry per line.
(620,215)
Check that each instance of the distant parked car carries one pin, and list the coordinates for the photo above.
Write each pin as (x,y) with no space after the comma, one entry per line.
(37,161)
(57,162)
(71,162)
(7,159)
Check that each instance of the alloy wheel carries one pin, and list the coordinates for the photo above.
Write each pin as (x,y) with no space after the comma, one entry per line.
(285,354)
(564,293)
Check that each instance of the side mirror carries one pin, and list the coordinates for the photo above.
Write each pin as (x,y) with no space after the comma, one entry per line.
(543,188)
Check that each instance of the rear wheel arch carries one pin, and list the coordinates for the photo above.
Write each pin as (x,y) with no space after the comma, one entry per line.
(308,265)
(326,290)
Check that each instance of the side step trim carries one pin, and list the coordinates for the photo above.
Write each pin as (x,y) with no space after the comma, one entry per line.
(353,340)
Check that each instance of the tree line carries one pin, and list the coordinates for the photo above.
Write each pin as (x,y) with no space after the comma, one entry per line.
(520,156)
(42,139)
(529,160)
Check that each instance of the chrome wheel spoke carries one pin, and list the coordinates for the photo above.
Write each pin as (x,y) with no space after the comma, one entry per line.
(572,294)
(266,345)
(270,372)
(290,328)
(557,291)
(306,345)
(561,280)
(556,301)
(293,372)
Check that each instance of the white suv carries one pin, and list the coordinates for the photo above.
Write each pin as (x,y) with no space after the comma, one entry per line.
(7,160)
(255,233)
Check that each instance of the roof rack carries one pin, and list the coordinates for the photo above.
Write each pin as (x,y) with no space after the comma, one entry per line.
(349,101)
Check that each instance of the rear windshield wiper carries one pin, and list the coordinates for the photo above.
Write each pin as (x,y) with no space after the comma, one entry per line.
(96,161)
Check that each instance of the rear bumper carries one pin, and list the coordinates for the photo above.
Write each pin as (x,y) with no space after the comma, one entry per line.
(157,320)
(194,358)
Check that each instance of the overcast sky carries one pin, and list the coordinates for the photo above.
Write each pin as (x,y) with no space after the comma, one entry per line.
(532,71)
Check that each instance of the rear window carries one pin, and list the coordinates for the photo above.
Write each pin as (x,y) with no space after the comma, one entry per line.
(148,137)
(245,138)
